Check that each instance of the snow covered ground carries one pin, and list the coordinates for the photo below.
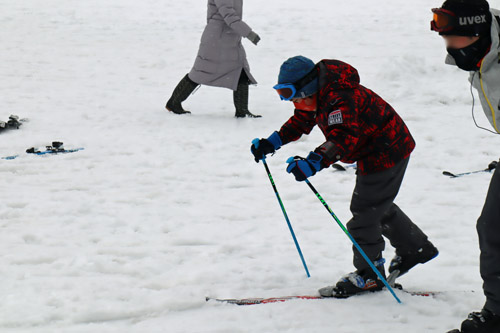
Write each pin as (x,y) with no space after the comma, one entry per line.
(161,210)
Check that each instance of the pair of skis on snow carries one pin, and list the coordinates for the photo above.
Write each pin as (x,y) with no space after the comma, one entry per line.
(254,301)
(490,168)
(391,279)
(55,148)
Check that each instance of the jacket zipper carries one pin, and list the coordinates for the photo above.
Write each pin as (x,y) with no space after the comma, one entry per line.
(486,97)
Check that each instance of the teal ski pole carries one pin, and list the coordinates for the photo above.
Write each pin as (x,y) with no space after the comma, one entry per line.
(381,277)
(256,144)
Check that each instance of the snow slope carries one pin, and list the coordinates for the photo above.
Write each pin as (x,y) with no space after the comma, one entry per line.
(161,210)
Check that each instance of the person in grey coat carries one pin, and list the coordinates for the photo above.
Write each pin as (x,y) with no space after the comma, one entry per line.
(471,31)
(221,60)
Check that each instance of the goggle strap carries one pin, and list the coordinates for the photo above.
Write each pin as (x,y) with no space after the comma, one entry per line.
(311,76)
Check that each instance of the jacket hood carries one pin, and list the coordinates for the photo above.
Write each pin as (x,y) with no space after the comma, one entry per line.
(335,74)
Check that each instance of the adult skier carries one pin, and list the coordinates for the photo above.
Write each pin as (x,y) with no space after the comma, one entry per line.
(221,60)
(359,126)
(471,33)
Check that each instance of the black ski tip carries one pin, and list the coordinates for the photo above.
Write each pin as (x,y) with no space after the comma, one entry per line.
(453,331)
(447,173)
(338,167)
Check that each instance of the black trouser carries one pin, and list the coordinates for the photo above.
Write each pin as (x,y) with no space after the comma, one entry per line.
(375,214)
(488,229)
(244,78)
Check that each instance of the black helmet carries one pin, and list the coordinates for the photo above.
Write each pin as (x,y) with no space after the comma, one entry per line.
(463,18)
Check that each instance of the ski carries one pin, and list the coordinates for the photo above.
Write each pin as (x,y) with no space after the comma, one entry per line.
(253,301)
(491,167)
(340,167)
(55,148)
(10,157)
(61,151)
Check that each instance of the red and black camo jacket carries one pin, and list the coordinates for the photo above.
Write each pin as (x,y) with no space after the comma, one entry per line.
(359,126)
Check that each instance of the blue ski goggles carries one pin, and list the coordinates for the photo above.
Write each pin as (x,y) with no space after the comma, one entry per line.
(286,91)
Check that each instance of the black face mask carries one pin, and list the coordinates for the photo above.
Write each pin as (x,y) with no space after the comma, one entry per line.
(468,57)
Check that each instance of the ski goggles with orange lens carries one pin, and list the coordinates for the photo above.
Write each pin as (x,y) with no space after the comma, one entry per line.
(443,20)
(286,91)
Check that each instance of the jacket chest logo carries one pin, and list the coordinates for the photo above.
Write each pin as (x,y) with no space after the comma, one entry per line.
(335,117)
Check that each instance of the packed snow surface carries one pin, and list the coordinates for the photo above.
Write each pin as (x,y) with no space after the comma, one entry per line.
(161,210)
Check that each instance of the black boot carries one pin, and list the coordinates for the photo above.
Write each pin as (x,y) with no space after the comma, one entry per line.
(240,97)
(403,262)
(180,94)
(481,322)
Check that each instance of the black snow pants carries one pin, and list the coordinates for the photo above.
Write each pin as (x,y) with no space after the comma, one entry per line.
(488,229)
(375,215)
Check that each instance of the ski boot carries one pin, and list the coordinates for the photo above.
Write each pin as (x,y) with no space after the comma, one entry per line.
(402,263)
(481,322)
(356,283)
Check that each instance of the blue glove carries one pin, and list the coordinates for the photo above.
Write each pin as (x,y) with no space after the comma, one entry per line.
(260,148)
(304,168)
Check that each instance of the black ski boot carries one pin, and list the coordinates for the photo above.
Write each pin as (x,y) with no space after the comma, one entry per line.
(240,97)
(184,88)
(402,263)
(356,283)
(480,322)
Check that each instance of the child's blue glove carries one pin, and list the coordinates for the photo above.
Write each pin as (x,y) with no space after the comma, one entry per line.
(260,148)
(303,168)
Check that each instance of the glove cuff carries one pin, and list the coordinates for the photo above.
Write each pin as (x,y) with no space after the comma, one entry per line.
(315,160)
(275,140)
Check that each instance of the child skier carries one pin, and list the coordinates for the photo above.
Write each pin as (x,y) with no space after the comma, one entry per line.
(471,33)
(361,127)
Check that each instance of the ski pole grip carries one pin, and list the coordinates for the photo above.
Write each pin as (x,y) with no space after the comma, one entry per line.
(255,142)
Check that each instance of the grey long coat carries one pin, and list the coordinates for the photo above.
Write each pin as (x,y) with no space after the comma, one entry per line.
(221,57)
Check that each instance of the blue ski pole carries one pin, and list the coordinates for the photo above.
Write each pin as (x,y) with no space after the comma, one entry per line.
(381,277)
(256,144)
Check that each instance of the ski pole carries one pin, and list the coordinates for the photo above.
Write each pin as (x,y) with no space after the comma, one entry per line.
(381,277)
(491,166)
(256,144)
